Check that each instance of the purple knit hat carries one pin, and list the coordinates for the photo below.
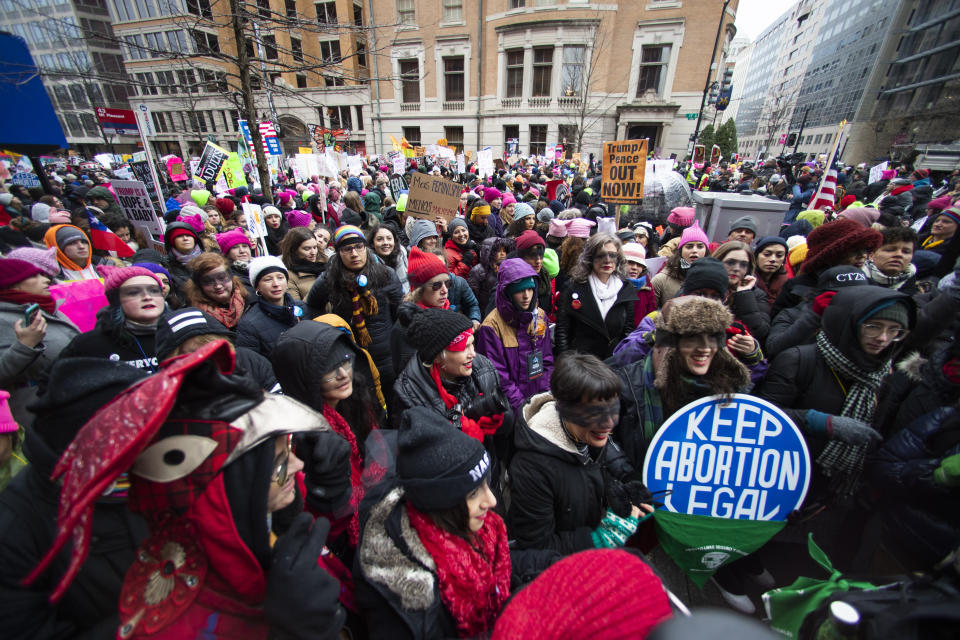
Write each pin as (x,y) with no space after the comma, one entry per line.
(46,259)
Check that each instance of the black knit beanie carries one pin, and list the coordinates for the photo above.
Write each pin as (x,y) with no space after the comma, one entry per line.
(431,330)
(177,327)
(438,465)
(706,273)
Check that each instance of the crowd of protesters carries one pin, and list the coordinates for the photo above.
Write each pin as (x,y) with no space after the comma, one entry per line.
(366,421)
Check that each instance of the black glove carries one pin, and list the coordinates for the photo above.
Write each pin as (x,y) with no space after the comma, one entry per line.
(303,599)
(638,493)
(469,258)
(326,469)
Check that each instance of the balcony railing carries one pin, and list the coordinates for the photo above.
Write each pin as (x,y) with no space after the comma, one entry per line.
(568,102)
(453,106)
(409,106)
(510,103)
(539,102)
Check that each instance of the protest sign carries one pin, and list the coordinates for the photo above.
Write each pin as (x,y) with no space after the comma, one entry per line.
(715,155)
(134,199)
(433,196)
(305,150)
(81,299)
(485,161)
(354,165)
(399,164)
(876,171)
(699,152)
(550,152)
(461,163)
(25,179)
(141,173)
(256,227)
(729,474)
(233,171)
(211,162)
(624,165)
(397,184)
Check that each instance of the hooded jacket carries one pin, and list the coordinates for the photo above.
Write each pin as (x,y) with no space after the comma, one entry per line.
(483,276)
(504,338)
(580,327)
(112,338)
(557,494)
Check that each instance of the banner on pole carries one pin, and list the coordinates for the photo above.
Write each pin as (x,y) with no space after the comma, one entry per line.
(624,167)
(134,199)
(211,162)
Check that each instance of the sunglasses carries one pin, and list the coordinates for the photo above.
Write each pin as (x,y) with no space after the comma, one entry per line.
(280,463)
(742,264)
(215,279)
(436,286)
(611,256)
(133,293)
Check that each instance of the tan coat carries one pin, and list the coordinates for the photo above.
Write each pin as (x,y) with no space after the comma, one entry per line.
(298,284)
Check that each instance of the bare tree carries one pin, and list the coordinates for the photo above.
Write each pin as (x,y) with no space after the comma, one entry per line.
(776,114)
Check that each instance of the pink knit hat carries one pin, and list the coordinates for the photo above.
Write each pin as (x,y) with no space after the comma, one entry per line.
(938,204)
(693,233)
(284,197)
(681,216)
(114,277)
(7,423)
(864,215)
(579,227)
(230,239)
(558,228)
(195,222)
(491,193)
(46,259)
(298,219)
(508,199)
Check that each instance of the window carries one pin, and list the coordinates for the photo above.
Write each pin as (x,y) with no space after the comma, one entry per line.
(270,47)
(571,79)
(63,96)
(159,121)
(809,139)
(263,8)
(514,73)
(187,80)
(454,136)
(330,50)
(453,10)
(827,138)
(653,67)
(362,53)
(146,9)
(510,132)
(567,135)
(178,41)
(166,82)
(410,81)
(405,13)
(357,15)
(79,97)
(296,49)
(326,12)
(73,124)
(90,125)
(291,8)
(124,10)
(199,8)
(359,109)
(538,139)
(542,69)
(818,139)
(206,42)
(332,81)
(147,87)
(517,4)
(412,135)
(340,117)
(453,79)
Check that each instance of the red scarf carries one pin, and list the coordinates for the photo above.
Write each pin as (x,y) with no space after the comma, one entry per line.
(228,316)
(445,306)
(16,296)
(474,577)
(468,426)
(338,424)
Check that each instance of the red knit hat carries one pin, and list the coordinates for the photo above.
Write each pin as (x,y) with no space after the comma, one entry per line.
(225,206)
(527,239)
(602,594)
(13,271)
(847,200)
(830,242)
(422,266)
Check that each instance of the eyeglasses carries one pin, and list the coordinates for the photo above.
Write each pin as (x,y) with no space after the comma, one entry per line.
(734,264)
(132,293)
(611,256)
(356,247)
(870,330)
(212,279)
(345,366)
(280,463)
(436,286)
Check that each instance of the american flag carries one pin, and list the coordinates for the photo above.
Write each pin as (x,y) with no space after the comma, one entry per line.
(824,197)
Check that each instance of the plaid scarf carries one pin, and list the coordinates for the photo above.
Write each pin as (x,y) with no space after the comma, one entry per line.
(364,305)
(892,282)
(652,418)
(839,460)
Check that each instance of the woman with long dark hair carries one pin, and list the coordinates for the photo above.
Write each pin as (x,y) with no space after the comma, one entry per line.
(301,255)
(385,241)
(362,291)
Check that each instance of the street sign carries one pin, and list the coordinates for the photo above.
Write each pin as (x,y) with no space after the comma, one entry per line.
(122,122)
(145,119)
(691,116)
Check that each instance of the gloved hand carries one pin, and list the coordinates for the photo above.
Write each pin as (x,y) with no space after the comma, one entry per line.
(948,473)
(490,424)
(613,531)
(303,600)
(822,301)
(849,430)
(326,469)
(469,258)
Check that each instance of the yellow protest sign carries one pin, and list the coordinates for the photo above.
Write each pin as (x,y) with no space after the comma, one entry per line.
(624,165)
(442,142)
(305,150)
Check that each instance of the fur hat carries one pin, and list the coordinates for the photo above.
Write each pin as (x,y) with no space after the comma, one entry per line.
(693,315)
(830,242)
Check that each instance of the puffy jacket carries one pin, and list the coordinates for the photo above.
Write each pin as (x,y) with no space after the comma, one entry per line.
(262,323)
(20,366)
(28,517)
(752,309)
(455,253)
(379,326)
(584,329)
(920,519)
(462,298)
(505,340)
(792,327)
(483,276)
(557,494)
(111,338)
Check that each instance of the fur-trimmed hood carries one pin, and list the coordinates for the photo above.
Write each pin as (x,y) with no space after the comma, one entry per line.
(694,315)
(541,416)
(409,575)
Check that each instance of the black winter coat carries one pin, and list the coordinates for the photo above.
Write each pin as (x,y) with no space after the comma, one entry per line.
(752,308)
(262,323)
(557,494)
(108,341)
(28,516)
(584,329)
(794,291)
(379,326)
(792,327)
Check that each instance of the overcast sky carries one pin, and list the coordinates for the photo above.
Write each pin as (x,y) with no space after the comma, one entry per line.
(753,16)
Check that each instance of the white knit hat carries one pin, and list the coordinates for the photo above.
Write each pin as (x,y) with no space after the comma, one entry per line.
(264,265)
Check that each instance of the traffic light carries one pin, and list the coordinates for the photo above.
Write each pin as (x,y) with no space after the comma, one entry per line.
(791,139)
(727,79)
(713,94)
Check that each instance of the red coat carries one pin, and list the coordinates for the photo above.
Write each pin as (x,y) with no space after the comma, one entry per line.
(455,262)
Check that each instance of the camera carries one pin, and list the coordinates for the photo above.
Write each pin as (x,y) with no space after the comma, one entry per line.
(487,405)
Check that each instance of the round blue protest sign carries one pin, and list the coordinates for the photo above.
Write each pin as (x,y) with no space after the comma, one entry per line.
(743,460)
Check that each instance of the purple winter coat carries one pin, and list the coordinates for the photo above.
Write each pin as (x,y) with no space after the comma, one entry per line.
(503,338)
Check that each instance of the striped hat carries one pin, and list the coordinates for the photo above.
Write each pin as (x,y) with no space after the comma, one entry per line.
(347,234)
(953,213)
(177,327)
